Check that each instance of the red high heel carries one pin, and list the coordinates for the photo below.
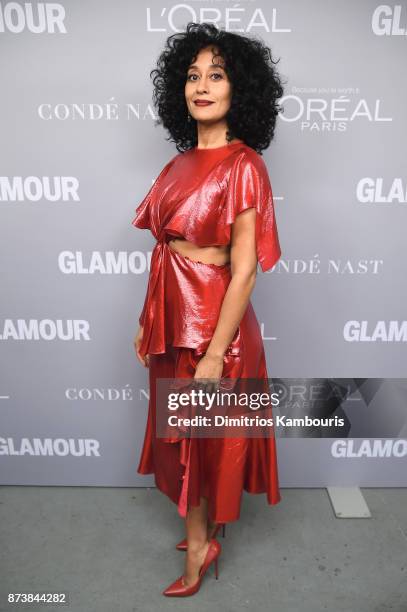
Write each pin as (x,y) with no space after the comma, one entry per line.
(179,589)
(183,545)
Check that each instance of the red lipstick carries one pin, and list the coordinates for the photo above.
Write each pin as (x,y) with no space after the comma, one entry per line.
(202,102)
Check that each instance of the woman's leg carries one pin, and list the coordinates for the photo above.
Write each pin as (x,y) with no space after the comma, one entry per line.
(197,537)
(211,529)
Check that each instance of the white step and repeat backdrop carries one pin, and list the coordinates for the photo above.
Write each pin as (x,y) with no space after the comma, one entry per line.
(79,150)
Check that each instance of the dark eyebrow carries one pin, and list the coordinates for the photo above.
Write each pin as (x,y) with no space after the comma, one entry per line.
(211,66)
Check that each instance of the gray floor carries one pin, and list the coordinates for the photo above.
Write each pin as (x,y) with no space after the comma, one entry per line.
(113,549)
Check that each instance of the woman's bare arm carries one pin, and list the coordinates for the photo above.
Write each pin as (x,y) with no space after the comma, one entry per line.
(244,270)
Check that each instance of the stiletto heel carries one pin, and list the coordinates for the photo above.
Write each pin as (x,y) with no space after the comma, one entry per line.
(183,545)
(179,589)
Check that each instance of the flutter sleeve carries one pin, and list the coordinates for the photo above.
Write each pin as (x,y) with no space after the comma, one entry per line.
(142,218)
(249,187)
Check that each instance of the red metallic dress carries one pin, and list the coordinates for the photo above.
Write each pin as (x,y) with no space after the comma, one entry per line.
(197,196)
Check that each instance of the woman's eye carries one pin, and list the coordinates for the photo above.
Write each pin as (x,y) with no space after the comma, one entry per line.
(219,76)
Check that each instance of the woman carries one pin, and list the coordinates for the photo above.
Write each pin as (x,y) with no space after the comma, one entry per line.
(211,211)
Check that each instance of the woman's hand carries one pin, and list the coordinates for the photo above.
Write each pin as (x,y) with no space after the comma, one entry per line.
(210,366)
(145,361)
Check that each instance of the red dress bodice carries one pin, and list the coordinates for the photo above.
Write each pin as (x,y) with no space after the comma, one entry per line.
(197,196)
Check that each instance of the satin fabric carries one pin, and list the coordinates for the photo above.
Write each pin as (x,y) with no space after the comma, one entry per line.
(219,469)
(197,196)
(183,301)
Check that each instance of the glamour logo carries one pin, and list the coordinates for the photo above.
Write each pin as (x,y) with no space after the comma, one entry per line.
(314,265)
(95,111)
(45,329)
(36,18)
(109,262)
(369,448)
(372,190)
(384,331)
(231,18)
(386,20)
(48,447)
(35,188)
(321,114)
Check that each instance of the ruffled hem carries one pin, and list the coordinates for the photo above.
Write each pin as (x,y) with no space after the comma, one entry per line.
(186,469)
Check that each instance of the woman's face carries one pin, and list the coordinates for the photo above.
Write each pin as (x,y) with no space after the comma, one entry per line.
(207,81)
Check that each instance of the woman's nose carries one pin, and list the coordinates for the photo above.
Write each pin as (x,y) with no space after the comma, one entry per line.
(202,86)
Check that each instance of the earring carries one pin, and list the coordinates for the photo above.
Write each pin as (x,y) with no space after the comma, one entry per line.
(189,117)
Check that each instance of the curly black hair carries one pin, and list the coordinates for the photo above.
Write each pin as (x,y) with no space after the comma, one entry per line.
(256,85)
